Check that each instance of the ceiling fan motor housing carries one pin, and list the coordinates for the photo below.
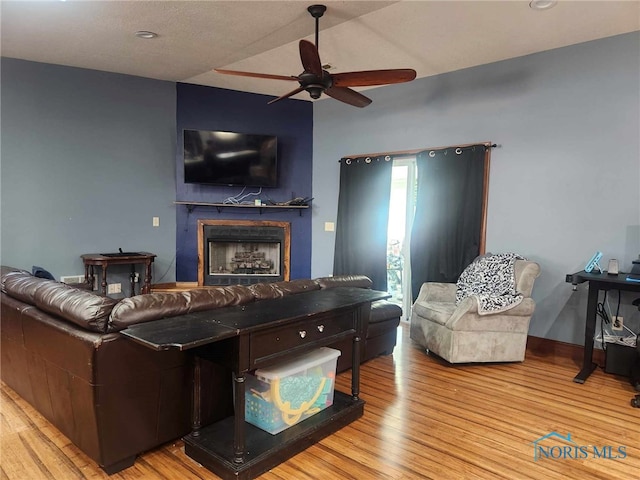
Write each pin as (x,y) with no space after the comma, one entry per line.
(314,84)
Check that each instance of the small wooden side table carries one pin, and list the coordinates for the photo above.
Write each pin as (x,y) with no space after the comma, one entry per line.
(103,260)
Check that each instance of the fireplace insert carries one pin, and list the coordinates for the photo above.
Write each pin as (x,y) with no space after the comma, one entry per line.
(243,255)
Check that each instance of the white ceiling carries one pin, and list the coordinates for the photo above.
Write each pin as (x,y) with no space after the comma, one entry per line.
(431,37)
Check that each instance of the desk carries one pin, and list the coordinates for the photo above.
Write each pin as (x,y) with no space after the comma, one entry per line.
(256,335)
(103,260)
(597,282)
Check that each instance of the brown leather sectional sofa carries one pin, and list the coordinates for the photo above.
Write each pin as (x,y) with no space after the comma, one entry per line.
(61,350)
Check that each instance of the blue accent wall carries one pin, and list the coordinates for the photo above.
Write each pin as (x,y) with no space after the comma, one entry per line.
(208,108)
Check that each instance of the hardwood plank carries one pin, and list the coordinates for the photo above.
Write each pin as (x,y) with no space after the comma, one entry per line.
(424,419)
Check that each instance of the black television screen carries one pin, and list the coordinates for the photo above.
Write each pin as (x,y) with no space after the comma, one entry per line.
(229,158)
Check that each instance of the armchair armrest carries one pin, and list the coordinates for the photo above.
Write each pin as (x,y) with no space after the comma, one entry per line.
(470,305)
(437,292)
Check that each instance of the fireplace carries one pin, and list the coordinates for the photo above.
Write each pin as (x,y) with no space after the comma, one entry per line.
(242,252)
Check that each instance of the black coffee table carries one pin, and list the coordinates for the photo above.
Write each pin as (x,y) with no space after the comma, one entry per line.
(257,335)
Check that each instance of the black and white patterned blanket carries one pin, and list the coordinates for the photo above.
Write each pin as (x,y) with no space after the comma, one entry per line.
(491,280)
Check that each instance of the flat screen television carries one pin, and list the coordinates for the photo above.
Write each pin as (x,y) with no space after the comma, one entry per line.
(230,158)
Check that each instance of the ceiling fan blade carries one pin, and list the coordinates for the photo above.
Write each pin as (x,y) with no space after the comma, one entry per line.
(286,95)
(349,96)
(255,75)
(373,77)
(310,58)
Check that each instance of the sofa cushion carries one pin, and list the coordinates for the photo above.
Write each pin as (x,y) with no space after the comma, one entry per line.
(438,312)
(154,306)
(297,286)
(383,310)
(361,281)
(238,294)
(86,309)
(4,269)
(144,308)
(22,286)
(385,316)
(265,291)
(217,297)
(6,272)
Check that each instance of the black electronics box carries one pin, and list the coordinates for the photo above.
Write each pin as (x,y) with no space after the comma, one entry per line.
(619,359)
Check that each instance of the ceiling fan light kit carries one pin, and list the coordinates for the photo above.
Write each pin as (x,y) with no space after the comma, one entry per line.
(316,80)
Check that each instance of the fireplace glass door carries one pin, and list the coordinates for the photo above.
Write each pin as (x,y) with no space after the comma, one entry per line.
(244,259)
(243,252)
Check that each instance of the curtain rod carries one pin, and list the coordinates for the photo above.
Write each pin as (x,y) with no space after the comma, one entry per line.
(408,153)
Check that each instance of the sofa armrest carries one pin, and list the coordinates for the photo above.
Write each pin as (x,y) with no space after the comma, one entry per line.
(437,292)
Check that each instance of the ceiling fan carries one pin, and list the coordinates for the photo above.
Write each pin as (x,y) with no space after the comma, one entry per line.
(315,80)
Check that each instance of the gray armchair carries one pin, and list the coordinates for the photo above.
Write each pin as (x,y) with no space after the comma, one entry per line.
(460,334)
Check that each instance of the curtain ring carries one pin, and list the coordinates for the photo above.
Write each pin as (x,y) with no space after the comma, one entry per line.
(348,161)
(458,150)
(432,154)
(367,160)
(387,158)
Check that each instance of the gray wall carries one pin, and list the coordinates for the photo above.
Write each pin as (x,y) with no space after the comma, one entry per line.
(88,158)
(564,182)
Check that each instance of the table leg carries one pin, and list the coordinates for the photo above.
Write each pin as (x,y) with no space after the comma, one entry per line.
(104,279)
(238,423)
(355,368)
(355,351)
(196,411)
(589,333)
(146,288)
(132,280)
(88,275)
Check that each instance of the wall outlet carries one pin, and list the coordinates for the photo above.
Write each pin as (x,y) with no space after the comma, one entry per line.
(72,279)
(156,221)
(114,288)
(617,323)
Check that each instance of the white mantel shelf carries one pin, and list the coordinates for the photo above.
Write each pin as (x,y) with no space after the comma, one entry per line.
(221,206)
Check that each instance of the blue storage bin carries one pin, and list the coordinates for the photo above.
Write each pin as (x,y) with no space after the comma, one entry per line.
(283,395)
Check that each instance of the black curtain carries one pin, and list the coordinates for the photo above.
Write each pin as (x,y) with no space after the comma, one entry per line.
(363,215)
(447,226)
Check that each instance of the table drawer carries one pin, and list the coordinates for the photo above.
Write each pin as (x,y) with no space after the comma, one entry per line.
(282,340)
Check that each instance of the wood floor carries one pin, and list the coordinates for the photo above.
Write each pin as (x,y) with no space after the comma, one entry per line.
(423,419)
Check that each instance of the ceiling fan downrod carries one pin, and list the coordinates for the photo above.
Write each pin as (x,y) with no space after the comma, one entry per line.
(316,12)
